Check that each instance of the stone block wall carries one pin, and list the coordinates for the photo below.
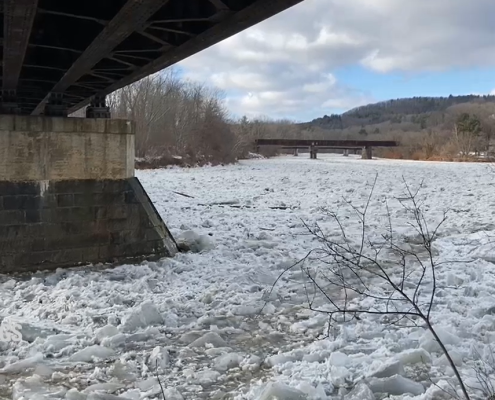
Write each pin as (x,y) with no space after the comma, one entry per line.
(51,224)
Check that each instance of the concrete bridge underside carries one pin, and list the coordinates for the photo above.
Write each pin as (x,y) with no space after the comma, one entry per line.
(68,194)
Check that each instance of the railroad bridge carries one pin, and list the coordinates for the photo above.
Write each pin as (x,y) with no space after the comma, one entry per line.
(314,144)
(68,194)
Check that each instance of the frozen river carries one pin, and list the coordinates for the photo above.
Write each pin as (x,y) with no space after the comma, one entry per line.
(209,324)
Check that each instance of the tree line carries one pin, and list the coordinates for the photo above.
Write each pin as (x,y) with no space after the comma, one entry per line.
(179,122)
(449,128)
(187,123)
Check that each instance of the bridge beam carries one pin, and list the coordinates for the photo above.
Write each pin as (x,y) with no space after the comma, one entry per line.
(132,17)
(18,18)
(325,143)
(98,108)
(219,4)
(68,195)
(253,14)
(82,52)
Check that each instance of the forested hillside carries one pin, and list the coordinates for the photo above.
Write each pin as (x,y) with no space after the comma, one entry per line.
(414,109)
(427,127)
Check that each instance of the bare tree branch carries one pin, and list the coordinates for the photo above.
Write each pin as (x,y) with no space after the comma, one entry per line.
(346,272)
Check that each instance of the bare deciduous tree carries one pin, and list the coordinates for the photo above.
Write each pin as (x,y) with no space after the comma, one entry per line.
(466,142)
(430,144)
(176,118)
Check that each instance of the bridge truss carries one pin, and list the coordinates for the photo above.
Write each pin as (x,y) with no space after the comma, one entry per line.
(60,55)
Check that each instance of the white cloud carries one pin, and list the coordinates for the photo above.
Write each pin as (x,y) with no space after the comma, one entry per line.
(284,67)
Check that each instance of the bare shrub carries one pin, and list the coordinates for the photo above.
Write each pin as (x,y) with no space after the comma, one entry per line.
(430,144)
(377,275)
(482,377)
(393,153)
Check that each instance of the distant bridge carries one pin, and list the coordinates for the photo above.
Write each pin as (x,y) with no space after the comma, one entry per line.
(314,145)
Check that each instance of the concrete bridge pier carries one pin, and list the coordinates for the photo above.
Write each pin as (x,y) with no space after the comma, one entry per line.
(68,195)
(367,153)
(313,152)
(346,153)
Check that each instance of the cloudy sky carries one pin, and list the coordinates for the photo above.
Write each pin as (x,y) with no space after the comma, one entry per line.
(327,56)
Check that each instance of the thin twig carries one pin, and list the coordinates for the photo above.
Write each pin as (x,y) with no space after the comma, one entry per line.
(159,381)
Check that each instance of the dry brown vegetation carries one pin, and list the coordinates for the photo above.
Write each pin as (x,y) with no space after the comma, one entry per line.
(459,132)
(184,123)
(179,122)
(456,132)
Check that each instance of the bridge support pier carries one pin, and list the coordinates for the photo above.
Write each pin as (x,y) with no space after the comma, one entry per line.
(367,153)
(313,152)
(346,153)
(296,152)
(68,195)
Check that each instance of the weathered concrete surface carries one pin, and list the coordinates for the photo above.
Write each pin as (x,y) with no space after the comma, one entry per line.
(68,195)
(51,224)
(50,148)
(367,153)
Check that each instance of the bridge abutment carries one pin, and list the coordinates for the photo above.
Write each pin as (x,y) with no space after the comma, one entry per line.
(68,195)
(313,152)
(367,153)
